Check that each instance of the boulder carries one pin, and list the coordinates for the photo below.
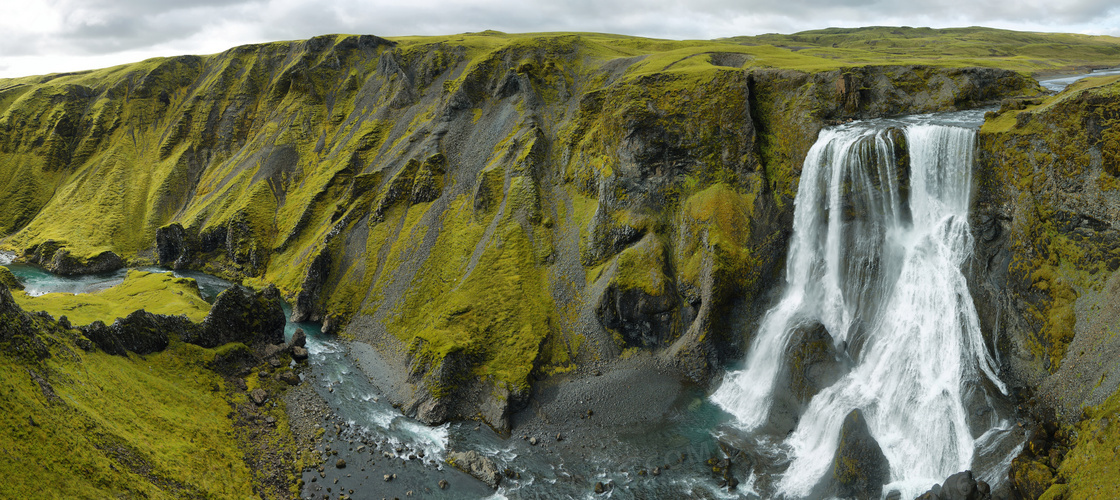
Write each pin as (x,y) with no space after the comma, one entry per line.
(259,396)
(290,377)
(859,467)
(299,339)
(473,463)
(299,353)
(242,315)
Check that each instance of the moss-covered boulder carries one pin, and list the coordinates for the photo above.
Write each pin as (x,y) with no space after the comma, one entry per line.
(859,468)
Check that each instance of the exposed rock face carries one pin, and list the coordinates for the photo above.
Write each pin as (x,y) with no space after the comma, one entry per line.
(242,315)
(473,463)
(238,315)
(140,332)
(859,468)
(1048,247)
(174,246)
(814,363)
(20,330)
(56,258)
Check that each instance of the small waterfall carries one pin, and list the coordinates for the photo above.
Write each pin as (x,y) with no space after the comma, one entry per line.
(880,234)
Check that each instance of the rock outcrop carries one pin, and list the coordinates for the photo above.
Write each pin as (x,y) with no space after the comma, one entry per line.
(1044,279)
(9,280)
(240,314)
(140,332)
(859,468)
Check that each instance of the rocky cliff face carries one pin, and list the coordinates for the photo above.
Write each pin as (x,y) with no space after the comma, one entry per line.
(478,209)
(1044,278)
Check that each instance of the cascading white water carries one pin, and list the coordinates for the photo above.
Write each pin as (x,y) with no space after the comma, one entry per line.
(880,268)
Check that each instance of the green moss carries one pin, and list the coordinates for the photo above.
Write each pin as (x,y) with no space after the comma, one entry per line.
(153,427)
(496,312)
(1089,468)
(157,293)
(9,280)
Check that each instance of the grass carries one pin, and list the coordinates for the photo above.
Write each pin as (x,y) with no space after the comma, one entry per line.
(152,427)
(157,293)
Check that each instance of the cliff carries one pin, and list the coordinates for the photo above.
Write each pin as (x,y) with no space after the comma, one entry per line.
(476,210)
(1045,281)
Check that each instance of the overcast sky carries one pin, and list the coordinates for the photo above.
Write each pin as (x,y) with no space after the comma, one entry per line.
(48,36)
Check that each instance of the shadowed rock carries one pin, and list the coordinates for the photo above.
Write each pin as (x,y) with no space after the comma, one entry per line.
(859,468)
(140,332)
(242,315)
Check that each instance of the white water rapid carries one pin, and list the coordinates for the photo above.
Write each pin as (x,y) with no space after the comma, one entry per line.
(879,266)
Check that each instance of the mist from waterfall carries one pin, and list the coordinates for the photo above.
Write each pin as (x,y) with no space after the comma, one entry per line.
(880,234)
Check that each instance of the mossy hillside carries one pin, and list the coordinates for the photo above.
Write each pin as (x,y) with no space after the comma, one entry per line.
(157,293)
(1043,165)
(1021,51)
(294,150)
(101,425)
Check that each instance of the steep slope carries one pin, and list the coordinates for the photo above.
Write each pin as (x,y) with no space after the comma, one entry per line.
(137,411)
(1045,278)
(473,210)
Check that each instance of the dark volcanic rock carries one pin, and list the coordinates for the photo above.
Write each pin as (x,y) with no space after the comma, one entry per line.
(859,468)
(19,329)
(259,396)
(234,360)
(473,463)
(54,256)
(307,305)
(174,245)
(242,315)
(299,353)
(299,339)
(140,332)
(812,363)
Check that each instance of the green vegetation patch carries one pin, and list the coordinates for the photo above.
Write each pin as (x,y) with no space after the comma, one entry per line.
(92,425)
(1089,469)
(157,293)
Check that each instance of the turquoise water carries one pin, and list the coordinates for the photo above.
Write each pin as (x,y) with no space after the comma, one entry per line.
(393,443)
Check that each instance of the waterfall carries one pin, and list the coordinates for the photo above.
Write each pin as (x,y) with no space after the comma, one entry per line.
(875,257)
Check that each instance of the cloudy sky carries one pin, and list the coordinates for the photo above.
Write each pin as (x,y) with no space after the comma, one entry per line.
(47,36)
